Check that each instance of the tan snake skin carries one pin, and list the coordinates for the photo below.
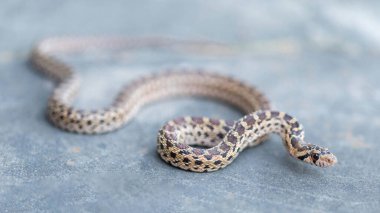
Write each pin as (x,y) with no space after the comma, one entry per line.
(222,140)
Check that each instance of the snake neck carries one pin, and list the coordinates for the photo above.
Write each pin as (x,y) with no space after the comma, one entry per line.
(258,124)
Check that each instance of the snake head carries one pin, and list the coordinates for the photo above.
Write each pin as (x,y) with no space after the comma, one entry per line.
(318,156)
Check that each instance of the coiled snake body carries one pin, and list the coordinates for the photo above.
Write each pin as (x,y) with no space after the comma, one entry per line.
(223,140)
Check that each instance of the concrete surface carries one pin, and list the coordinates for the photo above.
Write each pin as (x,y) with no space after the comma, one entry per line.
(317,61)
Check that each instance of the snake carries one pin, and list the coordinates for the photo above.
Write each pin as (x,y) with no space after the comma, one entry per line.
(197,144)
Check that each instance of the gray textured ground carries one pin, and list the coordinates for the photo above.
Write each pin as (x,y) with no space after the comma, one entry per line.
(317,61)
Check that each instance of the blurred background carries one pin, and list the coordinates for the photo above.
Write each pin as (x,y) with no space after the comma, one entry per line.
(316,60)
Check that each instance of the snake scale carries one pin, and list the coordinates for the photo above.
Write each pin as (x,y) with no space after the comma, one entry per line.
(178,140)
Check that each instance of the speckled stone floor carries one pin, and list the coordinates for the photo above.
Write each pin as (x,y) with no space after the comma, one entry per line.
(317,61)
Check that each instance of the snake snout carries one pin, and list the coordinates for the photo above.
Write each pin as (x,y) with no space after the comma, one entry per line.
(327,160)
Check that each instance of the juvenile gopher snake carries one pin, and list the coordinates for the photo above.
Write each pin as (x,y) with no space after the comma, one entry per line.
(223,140)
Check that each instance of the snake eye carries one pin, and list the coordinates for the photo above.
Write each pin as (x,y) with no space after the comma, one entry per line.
(315,156)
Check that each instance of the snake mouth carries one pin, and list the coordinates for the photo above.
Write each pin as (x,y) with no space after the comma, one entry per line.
(326,161)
